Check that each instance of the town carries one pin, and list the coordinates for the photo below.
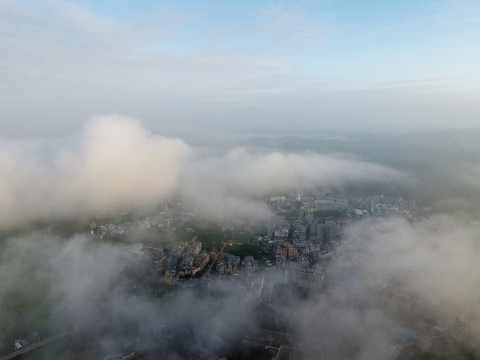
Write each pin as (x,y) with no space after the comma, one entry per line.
(277,264)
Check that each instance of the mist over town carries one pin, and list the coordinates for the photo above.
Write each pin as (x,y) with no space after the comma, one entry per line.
(265,180)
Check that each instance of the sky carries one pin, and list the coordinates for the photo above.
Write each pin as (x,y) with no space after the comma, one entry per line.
(193,68)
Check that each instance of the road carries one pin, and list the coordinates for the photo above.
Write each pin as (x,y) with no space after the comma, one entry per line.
(34,346)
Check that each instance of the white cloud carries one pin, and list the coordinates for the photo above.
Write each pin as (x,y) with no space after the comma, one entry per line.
(243,172)
(227,184)
(116,164)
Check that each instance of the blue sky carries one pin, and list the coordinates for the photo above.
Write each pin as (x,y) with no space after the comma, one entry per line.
(345,65)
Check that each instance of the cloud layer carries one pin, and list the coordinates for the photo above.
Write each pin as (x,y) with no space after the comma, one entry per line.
(116,164)
(394,274)
(103,296)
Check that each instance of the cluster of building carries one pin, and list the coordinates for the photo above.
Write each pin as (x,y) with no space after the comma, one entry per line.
(192,260)
(231,264)
(249,264)
(129,227)
(390,206)
(299,245)
(228,264)
(296,249)
(170,218)
(174,259)
(287,257)
(309,206)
